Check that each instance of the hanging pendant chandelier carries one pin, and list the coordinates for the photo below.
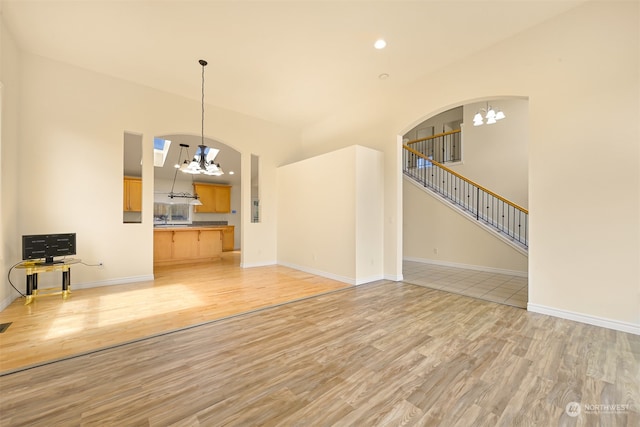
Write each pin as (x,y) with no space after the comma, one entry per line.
(203,161)
(491,115)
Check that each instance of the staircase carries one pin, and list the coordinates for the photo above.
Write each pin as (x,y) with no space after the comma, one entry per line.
(500,215)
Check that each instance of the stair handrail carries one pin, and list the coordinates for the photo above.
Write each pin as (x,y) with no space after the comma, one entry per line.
(475,184)
(451,132)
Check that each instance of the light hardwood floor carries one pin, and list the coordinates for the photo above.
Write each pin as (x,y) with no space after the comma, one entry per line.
(180,296)
(379,354)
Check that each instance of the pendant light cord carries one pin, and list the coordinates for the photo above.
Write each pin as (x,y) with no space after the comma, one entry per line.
(203,63)
(175,175)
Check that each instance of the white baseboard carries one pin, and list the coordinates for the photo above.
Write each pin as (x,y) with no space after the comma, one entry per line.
(469,266)
(8,300)
(370,279)
(257,264)
(394,277)
(332,276)
(343,279)
(112,282)
(586,318)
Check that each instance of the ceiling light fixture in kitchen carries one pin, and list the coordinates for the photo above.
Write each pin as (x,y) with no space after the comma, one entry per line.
(203,159)
(184,195)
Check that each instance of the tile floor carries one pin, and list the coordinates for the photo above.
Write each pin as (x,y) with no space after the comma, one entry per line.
(496,287)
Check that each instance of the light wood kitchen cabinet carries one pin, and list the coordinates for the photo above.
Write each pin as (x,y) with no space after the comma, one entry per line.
(214,198)
(186,245)
(210,244)
(162,246)
(228,238)
(132,194)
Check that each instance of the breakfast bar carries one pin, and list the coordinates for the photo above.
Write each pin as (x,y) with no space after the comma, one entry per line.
(186,244)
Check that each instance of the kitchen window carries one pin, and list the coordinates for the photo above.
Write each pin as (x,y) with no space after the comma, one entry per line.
(164,213)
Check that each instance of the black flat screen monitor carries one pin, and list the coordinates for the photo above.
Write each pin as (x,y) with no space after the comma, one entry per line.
(48,246)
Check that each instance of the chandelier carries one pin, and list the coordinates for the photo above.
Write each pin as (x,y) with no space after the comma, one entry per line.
(490,114)
(203,159)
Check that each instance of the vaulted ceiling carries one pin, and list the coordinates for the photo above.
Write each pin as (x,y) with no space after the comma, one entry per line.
(286,62)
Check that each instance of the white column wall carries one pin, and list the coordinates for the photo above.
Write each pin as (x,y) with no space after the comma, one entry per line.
(369,176)
(330,215)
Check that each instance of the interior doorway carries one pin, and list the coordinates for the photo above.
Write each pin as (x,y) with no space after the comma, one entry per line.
(197,199)
(442,247)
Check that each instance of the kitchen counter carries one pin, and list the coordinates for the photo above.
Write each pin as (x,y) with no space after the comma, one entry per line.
(179,227)
(181,244)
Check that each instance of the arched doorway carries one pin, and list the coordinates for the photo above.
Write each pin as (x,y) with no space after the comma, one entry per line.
(180,211)
(441,247)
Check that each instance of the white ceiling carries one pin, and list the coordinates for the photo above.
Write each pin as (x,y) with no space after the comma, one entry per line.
(291,62)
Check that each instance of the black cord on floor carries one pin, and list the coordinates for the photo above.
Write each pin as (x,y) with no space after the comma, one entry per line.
(9,279)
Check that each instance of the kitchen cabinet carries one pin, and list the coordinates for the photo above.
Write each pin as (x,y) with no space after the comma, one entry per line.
(214,198)
(183,245)
(209,243)
(132,194)
(228,238)
(162,246)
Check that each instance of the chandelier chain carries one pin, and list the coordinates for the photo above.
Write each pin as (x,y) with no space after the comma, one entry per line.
(202,125)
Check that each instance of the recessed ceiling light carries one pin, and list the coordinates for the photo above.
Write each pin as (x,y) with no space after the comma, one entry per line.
(231,172)
(380,44)
(383,76)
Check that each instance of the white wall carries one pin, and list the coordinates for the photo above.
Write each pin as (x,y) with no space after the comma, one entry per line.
(435,232)
(70,148)
(9,86)
(330,215)
(583,88)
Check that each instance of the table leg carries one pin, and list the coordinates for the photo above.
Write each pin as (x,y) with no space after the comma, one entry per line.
(30,280)
(66,283)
